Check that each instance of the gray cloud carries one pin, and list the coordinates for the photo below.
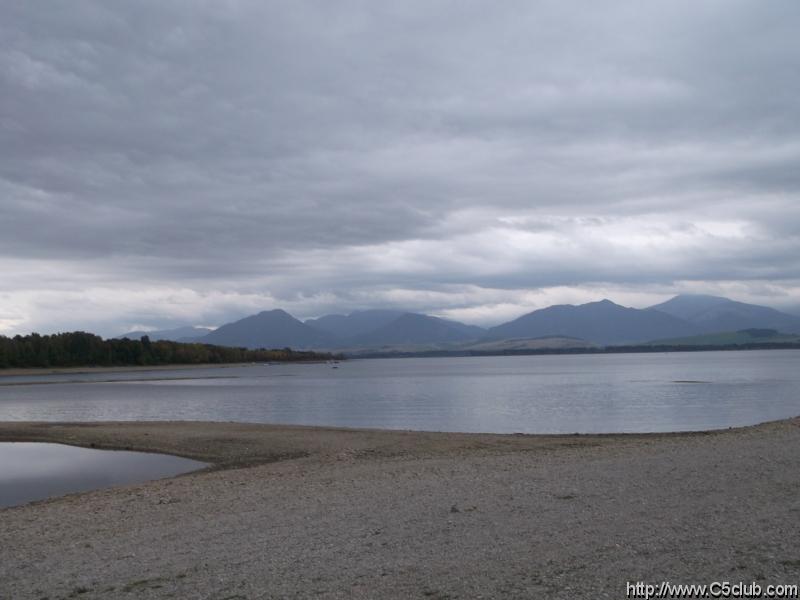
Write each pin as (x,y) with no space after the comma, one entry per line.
(164,162)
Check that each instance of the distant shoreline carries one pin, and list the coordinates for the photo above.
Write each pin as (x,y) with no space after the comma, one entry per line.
(552,351)
(17,372)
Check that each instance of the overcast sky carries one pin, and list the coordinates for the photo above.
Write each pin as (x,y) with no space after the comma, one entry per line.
(188,162)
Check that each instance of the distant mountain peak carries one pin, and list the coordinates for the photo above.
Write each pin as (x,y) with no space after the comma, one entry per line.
(605,302)
(276,311)
(270,329)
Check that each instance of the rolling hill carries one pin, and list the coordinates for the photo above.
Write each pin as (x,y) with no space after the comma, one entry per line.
(542,343)
(731,338)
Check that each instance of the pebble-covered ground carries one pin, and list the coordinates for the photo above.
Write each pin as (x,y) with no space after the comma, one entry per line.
(293,512)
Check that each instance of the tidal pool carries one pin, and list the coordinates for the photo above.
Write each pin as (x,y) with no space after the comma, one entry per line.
(34,471)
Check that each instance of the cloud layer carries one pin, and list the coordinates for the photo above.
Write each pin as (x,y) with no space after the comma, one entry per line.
(173,162)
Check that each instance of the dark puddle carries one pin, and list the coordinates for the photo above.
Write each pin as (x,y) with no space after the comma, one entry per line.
(35,471)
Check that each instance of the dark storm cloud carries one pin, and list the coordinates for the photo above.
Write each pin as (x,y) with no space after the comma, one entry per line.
(217,157)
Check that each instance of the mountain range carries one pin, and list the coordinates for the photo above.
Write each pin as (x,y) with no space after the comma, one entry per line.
(602,323)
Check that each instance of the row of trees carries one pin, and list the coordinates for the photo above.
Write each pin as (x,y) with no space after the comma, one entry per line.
(80,349)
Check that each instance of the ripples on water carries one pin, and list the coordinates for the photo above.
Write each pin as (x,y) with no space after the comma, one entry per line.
(531,394)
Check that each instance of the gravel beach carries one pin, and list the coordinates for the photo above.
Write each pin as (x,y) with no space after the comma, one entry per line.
(300,512)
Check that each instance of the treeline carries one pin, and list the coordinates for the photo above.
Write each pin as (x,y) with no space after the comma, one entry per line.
(80,349)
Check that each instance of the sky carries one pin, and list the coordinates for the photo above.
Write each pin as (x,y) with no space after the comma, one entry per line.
(165,163)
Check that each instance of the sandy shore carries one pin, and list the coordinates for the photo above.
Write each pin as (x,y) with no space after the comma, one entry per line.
(295,512)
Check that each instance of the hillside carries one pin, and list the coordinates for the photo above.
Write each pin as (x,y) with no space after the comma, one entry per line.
(711,314)
(413,329)
(604,323)
(542,343)
(731,338)
(356,323)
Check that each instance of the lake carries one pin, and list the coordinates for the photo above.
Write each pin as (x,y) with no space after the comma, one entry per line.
(33,471)
(530,394)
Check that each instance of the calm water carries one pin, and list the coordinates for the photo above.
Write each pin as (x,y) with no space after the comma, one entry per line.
(532,394)
(32,471)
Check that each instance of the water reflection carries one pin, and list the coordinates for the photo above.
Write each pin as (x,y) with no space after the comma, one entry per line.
(34,471)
